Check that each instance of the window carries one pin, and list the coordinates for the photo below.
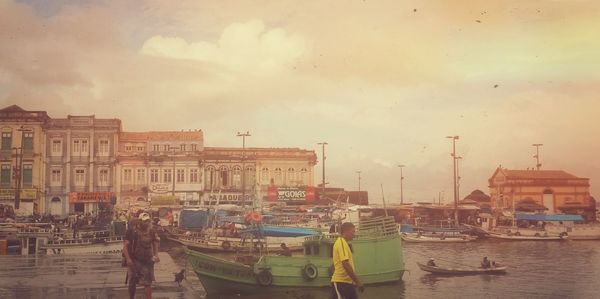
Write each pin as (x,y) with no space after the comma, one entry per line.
(278,176)
(224,176)
(140,148)
(103,147)
(156,147)
(141,176)
(27,174)
(56,147)
(27,141)
(103,177)
(194,175)
(167,175)
(291,176)
(5,174)
(153,175)
(56,177)
(210,174)
(182,148)
(304,176)
(193,147)
(166,148)
(237,177)
(79,177)
(128,148)
(84,147)
(6,141)
(127,175)
(180,175)
(264,175)
(76,146)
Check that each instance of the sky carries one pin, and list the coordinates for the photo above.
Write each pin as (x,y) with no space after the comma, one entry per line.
(382,82)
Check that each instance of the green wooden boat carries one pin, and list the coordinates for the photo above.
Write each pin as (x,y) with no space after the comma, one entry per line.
(377,256)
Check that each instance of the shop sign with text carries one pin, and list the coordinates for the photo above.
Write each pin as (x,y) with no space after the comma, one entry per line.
(291,193)
(84,197)
(25,194)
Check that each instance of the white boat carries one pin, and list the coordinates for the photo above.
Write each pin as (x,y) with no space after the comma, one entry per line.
(440,238)
(105,245)
(589,231)
(536,237)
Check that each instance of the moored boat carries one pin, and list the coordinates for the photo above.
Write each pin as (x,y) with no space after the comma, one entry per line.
(421,238)
(311,269)
(104,245)
(535,237)
(461,271)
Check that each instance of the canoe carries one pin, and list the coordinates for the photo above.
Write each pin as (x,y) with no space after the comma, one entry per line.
(528,238)
(461,271)
(414,238)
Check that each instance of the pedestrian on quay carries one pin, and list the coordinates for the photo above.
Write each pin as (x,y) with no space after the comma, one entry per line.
(140,249)
(344,281)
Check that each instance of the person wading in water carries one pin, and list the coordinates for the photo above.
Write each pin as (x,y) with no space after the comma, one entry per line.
(141,252)
(344,280)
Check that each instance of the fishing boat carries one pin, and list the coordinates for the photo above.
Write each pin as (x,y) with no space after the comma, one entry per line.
(377,255)
(461,271)
(441,238)
(101,245)
(544,236)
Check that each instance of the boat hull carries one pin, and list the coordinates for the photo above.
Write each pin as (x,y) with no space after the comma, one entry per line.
(461,271)
(527,238)
(427,239)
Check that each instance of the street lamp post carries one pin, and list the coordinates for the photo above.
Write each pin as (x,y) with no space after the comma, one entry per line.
(538,165)
(454,138)
(17,171)
(401,184)
(323,144)
(243,135)
(458,177)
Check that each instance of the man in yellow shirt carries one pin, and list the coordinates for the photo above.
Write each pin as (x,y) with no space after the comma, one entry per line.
(344,281)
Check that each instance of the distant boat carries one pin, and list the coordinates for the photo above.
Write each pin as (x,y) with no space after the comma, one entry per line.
(536,237)
(104,245)
(441,238)
(461,271)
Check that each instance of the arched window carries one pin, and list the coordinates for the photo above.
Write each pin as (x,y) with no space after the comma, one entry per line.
(224,176)
(264,176)
(278,176)
(291,177)
(237,177)
(304,176)
(250,177)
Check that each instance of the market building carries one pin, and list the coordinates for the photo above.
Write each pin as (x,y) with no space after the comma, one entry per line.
(556,190)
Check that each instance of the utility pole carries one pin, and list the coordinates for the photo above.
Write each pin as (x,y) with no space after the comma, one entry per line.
(323,144)
(18,175)
(538,165)
(358,180)
(454,138)
(401,183)
(458,177)
(243,135)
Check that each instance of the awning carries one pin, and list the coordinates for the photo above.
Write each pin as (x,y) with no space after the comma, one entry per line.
(550,217)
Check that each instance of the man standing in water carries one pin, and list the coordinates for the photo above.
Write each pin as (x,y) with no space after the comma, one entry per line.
(141,252)
(344,281)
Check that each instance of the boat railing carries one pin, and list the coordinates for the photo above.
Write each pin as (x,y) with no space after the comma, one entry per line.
(378,226)
(85,241)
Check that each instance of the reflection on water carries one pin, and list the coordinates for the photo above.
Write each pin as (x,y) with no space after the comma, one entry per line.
(569,269)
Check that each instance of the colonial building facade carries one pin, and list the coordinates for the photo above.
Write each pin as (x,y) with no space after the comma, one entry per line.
(289,170)
(80,164)
(22,152)
(161,167)
(557,190)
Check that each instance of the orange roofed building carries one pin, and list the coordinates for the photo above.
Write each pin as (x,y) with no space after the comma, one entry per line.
(557,190)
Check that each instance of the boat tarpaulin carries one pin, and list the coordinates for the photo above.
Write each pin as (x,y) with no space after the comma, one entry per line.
(548,217)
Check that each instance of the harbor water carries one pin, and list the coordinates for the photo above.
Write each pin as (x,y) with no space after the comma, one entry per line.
(537,269)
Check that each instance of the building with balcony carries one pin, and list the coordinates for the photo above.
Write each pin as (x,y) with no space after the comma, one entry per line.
(22,152)
(289,172)
(80,164)
(556,191)
(161,167)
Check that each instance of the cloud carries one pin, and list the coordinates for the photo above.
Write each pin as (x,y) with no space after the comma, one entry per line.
(245,47)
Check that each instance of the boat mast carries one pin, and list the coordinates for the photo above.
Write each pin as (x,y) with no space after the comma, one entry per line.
(383,198)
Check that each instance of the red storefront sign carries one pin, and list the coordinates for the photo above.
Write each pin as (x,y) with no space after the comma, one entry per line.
(291,193)
(83,197)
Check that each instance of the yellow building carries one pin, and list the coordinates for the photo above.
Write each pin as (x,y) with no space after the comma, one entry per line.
(556,190)
(22,152)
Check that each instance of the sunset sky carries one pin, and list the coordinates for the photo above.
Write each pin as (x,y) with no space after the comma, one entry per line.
(383,82)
